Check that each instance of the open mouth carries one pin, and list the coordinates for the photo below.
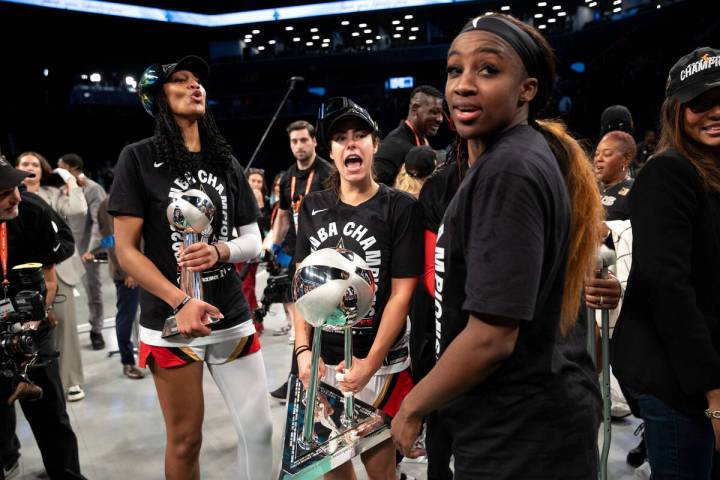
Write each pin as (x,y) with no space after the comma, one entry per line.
(713,129)
(197,96)
(353,163)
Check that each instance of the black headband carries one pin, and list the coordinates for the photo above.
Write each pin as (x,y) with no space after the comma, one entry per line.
(519,40)
(527,49)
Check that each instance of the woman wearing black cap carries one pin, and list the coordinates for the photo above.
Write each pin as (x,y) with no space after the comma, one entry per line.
(187,152)
(383,226)
(511,255)
(667,340)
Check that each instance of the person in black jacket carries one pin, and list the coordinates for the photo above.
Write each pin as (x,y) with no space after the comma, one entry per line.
(425,115)
(666,345)
(34,233)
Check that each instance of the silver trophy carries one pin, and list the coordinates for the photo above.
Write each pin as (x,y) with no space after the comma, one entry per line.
(332,289)
(191,212)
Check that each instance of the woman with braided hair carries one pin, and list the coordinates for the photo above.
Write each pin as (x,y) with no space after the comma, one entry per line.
(187,152)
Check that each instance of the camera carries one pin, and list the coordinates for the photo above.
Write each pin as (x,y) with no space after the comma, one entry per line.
(22,320)
(278,283)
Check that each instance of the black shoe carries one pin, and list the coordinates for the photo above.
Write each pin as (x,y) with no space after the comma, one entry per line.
(638,455)
(281,392)
(97,341)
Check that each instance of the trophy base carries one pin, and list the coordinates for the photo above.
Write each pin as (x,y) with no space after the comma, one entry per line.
(170,328)
(333,443)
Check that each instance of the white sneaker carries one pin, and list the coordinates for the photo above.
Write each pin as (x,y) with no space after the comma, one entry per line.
(291,336)
(13,471)
(281,331)
(642,472)
(75,393)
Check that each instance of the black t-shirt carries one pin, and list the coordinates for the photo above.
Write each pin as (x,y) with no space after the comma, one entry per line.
(386,230)
(292,191)
(502,251)
(391,153)
(143,187)
(615,200)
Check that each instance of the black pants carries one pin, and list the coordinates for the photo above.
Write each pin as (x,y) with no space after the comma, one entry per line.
(48,420)
(128,300)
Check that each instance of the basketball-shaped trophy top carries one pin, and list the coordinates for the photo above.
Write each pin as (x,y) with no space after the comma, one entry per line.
(191,211)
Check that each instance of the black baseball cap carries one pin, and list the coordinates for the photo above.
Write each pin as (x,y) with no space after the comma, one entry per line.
(694,74)
(338,108)
(157,74)
(11,176)
(420,161)
(616,117)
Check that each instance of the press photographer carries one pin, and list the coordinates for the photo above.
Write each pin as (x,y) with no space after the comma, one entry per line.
(30,233)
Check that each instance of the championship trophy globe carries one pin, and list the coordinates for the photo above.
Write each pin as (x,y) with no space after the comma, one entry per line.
(324,428)
(191,213)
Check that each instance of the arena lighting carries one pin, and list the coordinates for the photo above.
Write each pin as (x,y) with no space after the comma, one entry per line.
(130,81)
(378,37)
(289,28)
(369,40)
(367,31)
(345,22)
(248,40)
(538,15)
(542,27)
(618,9)
(397,35)
(261,48)
(592,4)
(396,22)
(355,34)
(234,18)
(551,20)
(362,25)
(296,39)
(400,28)
(542,4)
(326,40)
(414,29)
(255,32)
(505,8)
(95,77)
(617,2)
(412,37)
(84,77)
(561,14)
(408,17)
(271,42)
(316,37)
(556,7)
(313,30)
(309,44)
(46,72)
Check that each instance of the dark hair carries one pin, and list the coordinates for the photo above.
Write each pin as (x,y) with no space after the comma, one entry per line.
(428,90)
(301,125)
(73,160)
(586,209)
(261,172)
(673,136)
(44,164)
(170,147)
(616,117)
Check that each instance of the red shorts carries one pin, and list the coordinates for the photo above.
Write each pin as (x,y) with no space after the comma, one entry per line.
(215,353)
(384,392)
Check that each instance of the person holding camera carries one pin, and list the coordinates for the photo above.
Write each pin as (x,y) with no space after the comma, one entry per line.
(29,234)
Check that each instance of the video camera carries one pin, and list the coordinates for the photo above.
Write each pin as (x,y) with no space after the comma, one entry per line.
(23,318)
(278,283)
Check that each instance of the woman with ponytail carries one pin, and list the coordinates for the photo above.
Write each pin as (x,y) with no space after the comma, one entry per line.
(512,252)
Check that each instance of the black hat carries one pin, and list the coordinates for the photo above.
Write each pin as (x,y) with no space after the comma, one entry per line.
(156,74)
(616,117)
(694,74)
(420,161)
(337,108)
(11,176)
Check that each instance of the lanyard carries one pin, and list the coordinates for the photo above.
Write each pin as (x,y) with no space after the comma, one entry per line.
(417,138)
(4,256)
(296,204)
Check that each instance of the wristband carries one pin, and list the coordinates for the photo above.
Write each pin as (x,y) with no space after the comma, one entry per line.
(217,250)
(301,349)
(184,302)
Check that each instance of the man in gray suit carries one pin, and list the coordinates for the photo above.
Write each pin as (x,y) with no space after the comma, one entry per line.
(86,231)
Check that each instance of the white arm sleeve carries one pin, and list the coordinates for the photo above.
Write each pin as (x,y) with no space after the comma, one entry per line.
(247,245)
